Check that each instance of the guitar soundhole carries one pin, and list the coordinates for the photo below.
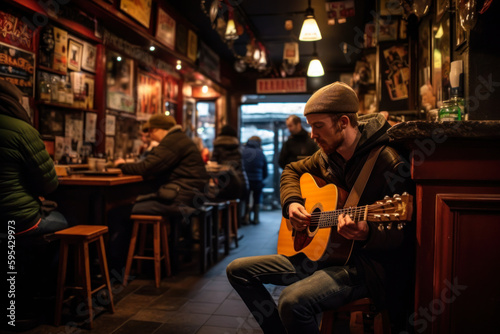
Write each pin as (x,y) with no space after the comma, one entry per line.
(314,220)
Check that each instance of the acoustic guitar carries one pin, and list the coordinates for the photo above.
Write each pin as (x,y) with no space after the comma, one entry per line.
(320,240)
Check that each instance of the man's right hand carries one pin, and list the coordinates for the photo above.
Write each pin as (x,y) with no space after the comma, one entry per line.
(298,216)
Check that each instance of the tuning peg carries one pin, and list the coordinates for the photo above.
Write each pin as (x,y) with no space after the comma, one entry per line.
(405,194)
(389,226)
(395,195)
(396,216)
(398,199)
(386,197)
(380,227)
(377,216)
(400,226)
(388,216)
(379,202)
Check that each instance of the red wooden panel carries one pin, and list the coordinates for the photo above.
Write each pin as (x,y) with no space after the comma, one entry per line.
(466,297)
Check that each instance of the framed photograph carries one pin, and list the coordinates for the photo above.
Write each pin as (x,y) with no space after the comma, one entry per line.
(75,50)
(110,129)
(60,53)
(89,57)
(388,29)
(140,10)
(390,7)
(149,101)
(51,122)
(73,129)
(165,29)
(192,46)
(170,89)
(18,67)
(120,83)
(395,77)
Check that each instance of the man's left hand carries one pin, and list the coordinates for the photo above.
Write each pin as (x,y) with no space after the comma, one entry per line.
(352,230)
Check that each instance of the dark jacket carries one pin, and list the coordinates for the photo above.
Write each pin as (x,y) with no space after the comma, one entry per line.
(175,160)
(386,257)
(227,152)
(254,161)
(297,146)
(27,171)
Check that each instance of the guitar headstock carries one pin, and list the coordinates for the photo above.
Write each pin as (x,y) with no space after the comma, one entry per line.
(396,209)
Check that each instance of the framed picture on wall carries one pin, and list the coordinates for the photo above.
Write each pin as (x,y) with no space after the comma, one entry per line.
(192,46)
(427,99)
(75,50)
(441,59)
(149,100)
(165,29)
(395,76)
(140,10)
(120,83)
(89,57)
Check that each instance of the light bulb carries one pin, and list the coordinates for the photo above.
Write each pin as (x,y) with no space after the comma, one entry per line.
(315,68)
(310,30)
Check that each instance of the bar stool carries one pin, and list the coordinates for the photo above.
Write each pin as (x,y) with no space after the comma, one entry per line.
(81,236)
(233,224)
(204,218)
(220,217)
(159,233)
(359,313)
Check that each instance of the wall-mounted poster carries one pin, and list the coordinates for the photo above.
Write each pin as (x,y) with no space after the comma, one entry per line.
(170,89)
(51,122)
(149,101)
(120,82)
(75,50)
(18,67)
(90,127)
(74,131)
(395,73)
(140,10)
(89,57)
(388,30)
(192,47)
(15,32)
(165,29)
(60,59)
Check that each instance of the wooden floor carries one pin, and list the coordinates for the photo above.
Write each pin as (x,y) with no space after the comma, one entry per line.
(186,303)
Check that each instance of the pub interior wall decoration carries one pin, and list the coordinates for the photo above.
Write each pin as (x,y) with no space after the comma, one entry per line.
(15,32)
(120,82)
(75,50)
(149,98)
(89,57)
(441,59)
(60,57)
(165,29)
(140,10)
(18,67)
(51,123)
(395,77)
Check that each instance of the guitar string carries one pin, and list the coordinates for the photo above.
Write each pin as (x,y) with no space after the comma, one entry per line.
(324,219)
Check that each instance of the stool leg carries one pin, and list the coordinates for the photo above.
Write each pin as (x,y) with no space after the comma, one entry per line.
(166,252)
(356,322)
(203,242)
(87,286)
(131,250)
(215,232)
(101,251)
(142,242)
(227,234)
(157,257)
(234,223)
(61,280)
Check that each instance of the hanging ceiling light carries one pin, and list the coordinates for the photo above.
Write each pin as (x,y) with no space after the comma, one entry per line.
(231,32)
(310,30)
(315,68)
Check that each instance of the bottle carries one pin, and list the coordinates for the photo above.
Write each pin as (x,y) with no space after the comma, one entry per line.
(61,90)
(450,111)
(45,91)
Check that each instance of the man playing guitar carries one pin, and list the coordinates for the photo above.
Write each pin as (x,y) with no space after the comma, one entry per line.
(379,263)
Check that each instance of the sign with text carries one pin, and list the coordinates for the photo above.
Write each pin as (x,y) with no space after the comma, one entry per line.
(18,67)
(287,85)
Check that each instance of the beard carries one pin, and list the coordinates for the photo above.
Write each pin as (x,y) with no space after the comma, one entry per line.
(332,145)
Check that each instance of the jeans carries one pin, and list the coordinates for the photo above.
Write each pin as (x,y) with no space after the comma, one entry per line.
(53,222)
(311,289)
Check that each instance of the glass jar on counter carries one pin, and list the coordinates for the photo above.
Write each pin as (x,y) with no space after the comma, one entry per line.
(450,111)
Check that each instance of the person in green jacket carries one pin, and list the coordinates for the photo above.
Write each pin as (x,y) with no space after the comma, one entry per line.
(27,171)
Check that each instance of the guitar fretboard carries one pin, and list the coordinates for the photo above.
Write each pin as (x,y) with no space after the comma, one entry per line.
(330,218)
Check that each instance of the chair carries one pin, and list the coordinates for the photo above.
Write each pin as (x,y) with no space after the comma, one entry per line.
(204,218)
(159,234)
(361,314)
(81,236)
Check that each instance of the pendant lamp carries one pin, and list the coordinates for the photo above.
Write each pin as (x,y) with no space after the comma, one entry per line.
(315,68)
(310,30)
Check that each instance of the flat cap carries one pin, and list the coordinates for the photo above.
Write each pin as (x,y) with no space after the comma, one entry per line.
(159,121)
(333,99)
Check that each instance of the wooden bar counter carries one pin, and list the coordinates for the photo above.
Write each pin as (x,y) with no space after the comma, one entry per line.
(456,168)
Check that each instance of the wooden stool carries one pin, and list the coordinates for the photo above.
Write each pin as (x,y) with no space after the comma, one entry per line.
(360,313)
(159,232)
(82,236)
(220,217)
(233,224)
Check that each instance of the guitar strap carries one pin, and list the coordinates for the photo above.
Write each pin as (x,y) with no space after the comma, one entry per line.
(359,186)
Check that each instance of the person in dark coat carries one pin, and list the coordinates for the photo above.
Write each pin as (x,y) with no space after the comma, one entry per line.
(174,169)
(255,165)
(381,260)
(227,152)
(299,145)
(27,175)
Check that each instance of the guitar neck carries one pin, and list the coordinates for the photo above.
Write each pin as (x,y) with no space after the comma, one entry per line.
(330,218)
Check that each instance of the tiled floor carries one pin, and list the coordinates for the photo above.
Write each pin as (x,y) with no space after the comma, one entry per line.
(186,303)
